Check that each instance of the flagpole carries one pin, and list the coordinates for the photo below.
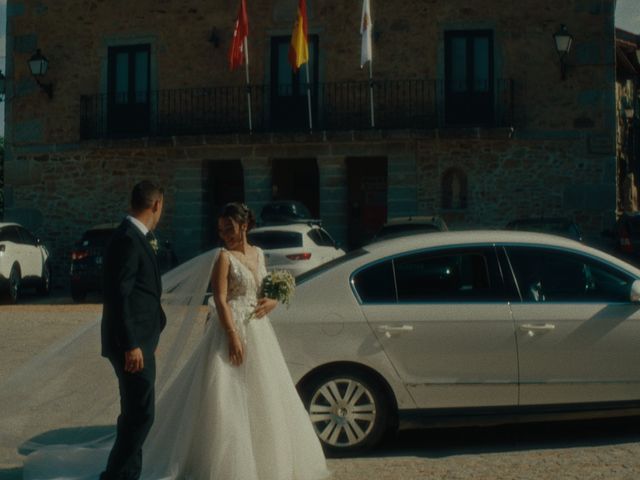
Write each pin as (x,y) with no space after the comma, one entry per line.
(246,69)
(309,99)
(373,118)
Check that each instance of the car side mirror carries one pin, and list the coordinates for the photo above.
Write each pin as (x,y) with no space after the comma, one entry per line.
(635,292)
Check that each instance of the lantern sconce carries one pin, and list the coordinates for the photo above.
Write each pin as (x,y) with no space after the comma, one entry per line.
(563,41)
(38,64)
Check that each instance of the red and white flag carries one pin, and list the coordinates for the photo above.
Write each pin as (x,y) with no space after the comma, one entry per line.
(237,52)
(366,27)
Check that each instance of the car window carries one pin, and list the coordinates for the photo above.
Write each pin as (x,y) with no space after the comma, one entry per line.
(375,283)
(96,238)
(547,275)
(321,238)
(448,277)
(10,234)
(26,237)
(320,269)
(275,239)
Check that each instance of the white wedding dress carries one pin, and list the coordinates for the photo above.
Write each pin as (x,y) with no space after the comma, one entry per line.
(215,420)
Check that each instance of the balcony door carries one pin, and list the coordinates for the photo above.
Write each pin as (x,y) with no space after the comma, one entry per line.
(469,78)
(128,97)
(289,109)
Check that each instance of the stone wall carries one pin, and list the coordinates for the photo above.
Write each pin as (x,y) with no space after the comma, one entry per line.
(505,178)
(520,178)
(408,43)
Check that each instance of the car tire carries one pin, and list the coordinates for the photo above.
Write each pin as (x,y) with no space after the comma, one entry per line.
(349,411)
(78,294)
(15,284)
(44,288)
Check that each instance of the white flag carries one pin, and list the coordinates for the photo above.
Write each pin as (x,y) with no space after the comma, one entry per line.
(366,27)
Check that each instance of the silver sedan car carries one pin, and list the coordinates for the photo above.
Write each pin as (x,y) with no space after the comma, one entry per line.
(462,328)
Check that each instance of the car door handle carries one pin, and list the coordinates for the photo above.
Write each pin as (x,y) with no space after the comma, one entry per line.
(389,331)
(531,329)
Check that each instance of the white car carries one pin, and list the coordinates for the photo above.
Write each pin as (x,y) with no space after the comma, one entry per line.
(24,261)
(462,328)
(296,247)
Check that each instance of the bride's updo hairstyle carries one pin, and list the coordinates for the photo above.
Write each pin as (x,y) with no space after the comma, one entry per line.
(240,213)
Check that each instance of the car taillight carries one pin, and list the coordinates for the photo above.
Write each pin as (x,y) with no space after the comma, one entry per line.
(79,254)
(299,256)
(625,241)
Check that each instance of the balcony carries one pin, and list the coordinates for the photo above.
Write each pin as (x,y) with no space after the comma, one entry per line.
(398,104)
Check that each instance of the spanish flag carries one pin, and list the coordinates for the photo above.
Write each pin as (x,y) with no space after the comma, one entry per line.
(299,48)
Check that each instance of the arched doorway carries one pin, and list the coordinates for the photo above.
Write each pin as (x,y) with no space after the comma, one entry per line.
(223,183)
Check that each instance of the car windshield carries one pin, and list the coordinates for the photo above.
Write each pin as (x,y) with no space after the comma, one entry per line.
(314,272)
(96,238)
(292,210)
(407,228)
(275,239)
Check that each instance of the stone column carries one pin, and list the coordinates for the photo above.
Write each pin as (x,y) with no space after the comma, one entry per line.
(402,189)
(257,182)
(333,196)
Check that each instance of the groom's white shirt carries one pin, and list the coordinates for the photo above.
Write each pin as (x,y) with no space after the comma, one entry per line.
(139,225)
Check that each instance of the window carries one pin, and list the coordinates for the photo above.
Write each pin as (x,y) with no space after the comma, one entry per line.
(129,89)
(469,77)
(275,239)
(448,277)
(546,275)
(321,238)
(10,234)
(26,237)
(288,89)
(375,284)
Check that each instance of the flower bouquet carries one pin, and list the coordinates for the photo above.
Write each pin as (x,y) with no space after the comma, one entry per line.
(278,285)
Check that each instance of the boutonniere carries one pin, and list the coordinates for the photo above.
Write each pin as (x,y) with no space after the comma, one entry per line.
(154,244)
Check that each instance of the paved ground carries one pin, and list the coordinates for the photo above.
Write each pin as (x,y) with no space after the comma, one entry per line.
(577,450)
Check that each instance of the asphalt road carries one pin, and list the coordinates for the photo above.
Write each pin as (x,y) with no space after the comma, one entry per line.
(569,450)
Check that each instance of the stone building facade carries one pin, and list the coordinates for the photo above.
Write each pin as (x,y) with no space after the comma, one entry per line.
(628,109)
(472,118)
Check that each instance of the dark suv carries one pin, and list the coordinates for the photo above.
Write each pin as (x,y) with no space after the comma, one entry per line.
(87,258)
(564,227)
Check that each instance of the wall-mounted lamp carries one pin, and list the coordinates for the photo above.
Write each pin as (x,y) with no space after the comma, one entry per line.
(563,40)
(38,64)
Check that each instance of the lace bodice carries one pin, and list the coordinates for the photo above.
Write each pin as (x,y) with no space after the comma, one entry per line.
(243,283)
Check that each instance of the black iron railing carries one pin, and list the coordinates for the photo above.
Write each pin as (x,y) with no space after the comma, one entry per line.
(397,104)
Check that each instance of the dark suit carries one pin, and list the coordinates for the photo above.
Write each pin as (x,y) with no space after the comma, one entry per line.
(132,318)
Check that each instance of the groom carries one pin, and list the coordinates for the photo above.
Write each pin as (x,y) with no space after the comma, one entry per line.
(132,320)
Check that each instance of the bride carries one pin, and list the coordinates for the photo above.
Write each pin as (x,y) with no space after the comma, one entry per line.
(232,411)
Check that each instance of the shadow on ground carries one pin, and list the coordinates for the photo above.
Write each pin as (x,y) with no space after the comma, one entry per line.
(449,442)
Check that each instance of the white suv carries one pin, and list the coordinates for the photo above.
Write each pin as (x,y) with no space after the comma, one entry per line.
(297,247)
(24,262)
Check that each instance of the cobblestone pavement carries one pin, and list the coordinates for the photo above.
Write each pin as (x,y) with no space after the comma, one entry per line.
(604,449)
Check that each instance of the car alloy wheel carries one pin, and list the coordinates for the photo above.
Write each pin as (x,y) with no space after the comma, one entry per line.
(348,412)
(14,284)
